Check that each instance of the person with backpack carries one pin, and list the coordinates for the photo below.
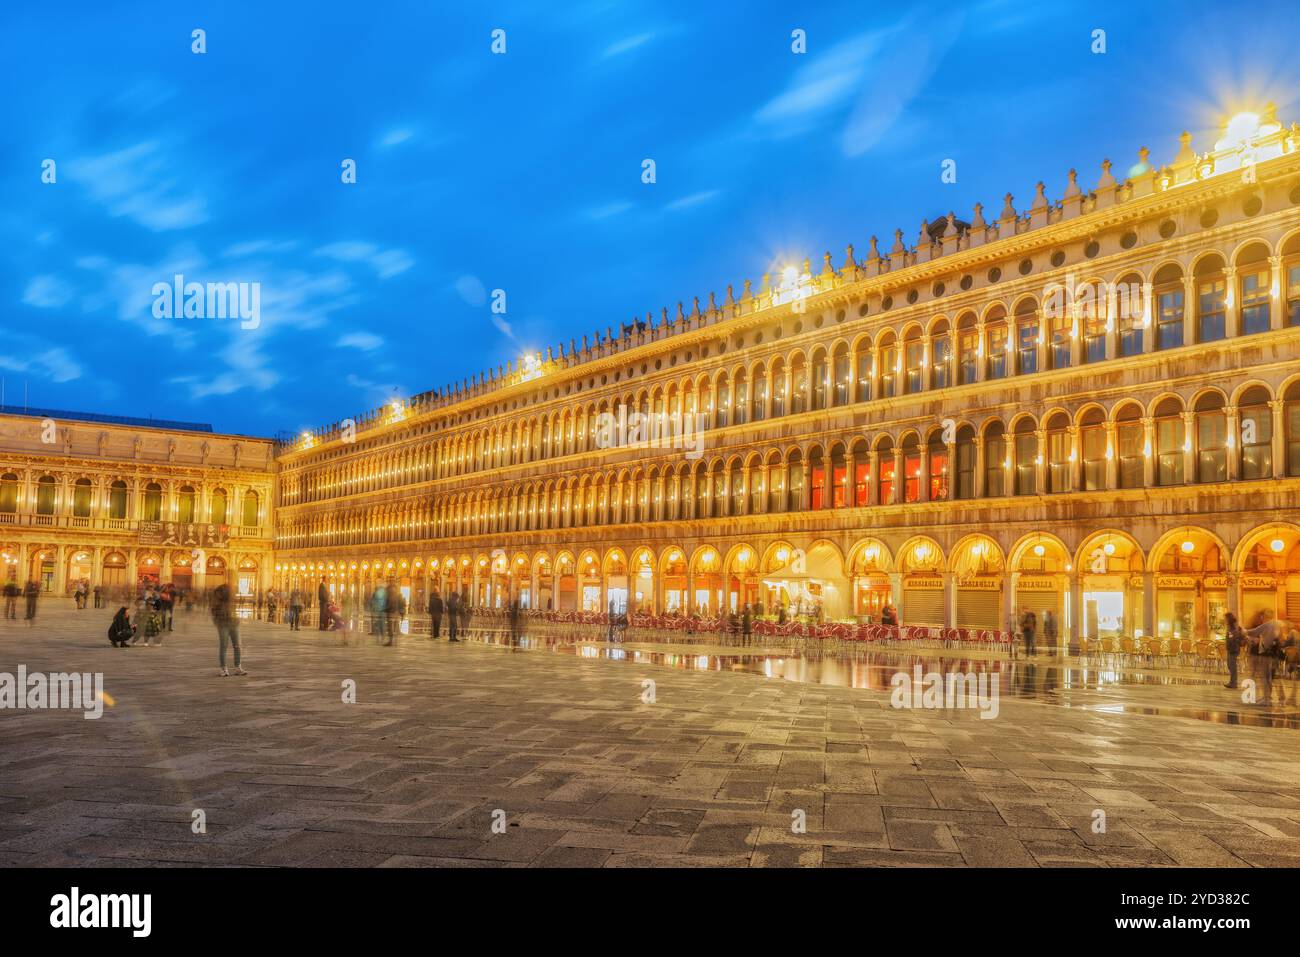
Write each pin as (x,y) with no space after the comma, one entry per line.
(1265,649)
(1232,645)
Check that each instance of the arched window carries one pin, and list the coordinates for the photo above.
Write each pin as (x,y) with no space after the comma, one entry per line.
(758,402)
(968,347)
(1254,289)
(152,502)
(1130,438)
(117,499)
(8,492)
(842,374)
(995,460)
(185,504)
(721,402)
(45,495)
(778,388)
(1256,428)
(798,385)
(817,471)
(1211,300)
(1131,304)
(702,488)
(839,476)
(912,468)
(740,401)
(819,374)
(756,490)
(885,458)
(940,356)
(1168,291)
(736,482)
(82,494)
(218,511)
(1170,439)
(1027,335)
(1094,316)
(1291,271)
(864,371)
(1092,439)
(1291,410)
(796,501)
(1026,457)
(965,469)
(250,509)
(1058,454)
(1211,439)
(776,484)
(861,473)
(914,360)
(889,366)
(937,453)
(997,344)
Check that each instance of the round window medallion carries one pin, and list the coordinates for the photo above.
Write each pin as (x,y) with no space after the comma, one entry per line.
(1092,248)
(967,282)
(1129,239)
(862,309)
(1026,267)
(995,274)
(911,296)
(1252,206)
(1058,259)
(1209,218)
(1168,228)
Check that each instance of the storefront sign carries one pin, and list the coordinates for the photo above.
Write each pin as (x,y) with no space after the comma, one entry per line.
(1135,581)
(924,583)
(1217,581)
(1175,581)
(980,584)
(184,535)
(1036,584)
(1258,581)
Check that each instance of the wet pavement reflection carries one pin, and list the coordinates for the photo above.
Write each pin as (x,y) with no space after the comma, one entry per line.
(1064,682)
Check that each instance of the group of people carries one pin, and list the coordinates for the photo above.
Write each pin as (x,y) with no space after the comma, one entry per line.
(154,615)
(1267,645)
(29,592)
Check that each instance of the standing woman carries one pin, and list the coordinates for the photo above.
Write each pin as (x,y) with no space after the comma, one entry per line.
(1236,640)
(223,616)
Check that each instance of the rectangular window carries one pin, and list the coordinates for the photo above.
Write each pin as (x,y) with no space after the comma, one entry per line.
(1026,453)
(861,480)
(915,352)
(888,369)
(966,470)
(995,466)
(938,475)
(1130,335)
(1129,438)
(1293,295)
(1094,329)
(1169,322)
(818,487)
(1211,444)
(1257,455)
(1027,347)
(1058,461)
(1169,451)
(1254,302)
(969,354)
(1212,295)
(887,478)
(1094,458)
(941,362)
(838,476)
(997,357)
(912,473)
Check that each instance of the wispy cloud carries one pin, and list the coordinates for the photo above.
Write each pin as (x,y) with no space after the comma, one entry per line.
(694,199)
(386,262)
(626,45)
(47,292)
(395,137)
(38,359)
(608,210)
(139,182)
(365,341)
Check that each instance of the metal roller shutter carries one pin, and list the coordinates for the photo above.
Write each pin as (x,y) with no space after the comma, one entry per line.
(922,606)
(979,608)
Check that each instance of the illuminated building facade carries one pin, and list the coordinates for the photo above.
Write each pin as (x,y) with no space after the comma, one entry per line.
(1091,407)
(116,501)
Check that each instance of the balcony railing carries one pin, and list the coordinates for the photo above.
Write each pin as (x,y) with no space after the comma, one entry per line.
(32,520)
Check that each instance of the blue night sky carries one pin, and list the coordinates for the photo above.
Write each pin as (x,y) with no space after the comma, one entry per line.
(523,171)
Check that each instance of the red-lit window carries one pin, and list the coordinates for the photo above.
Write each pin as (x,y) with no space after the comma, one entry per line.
(938,476)
(838,476)
(818,487)
(860,480)
(887,480)
(912,470)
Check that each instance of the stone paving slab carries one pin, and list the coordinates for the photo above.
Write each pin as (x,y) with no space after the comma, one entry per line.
(585,774)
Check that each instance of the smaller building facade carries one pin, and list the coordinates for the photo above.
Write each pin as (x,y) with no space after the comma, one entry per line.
(118,502)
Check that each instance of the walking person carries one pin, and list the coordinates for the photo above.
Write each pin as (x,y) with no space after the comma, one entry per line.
(394,612)
(435,616)
(270,607)
(1235,641)
(453,616)
(747,623)
(295,610)
(322,601)
(95,594)
(31,591)
(223,616)
(465,612)
(1049,630)
(11,599)
(1029,625)
(378,604)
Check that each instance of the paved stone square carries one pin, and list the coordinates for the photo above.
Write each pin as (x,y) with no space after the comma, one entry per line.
(442,736)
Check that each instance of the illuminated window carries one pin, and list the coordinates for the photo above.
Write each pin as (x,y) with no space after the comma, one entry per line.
(1255,302)
(888,370)
(996,333)
(1256,428)
(886,491)
(912,470)
(966,454)
(1169,319)
(864,375)
(1211,440)
(914,356)
(940,360)
(1027,343)
(968,343)
(995,453)
(1092,437)
(1170,438)
(1026,454)
(938,456)
(1211,309)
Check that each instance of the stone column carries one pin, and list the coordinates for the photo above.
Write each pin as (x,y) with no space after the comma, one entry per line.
(1040,462)
(1074,479)
(1149,452)
(1277,407)
(1148,605)
(1148,318)
(981,353)
(1009,616)
(899,478)
(1189,446)
(1232,312)
(873,466)
(949,600)
(1112,456)
(923,476)
(1189,309)
(979,465)
(1277,293)
(1233,418)
(1074,582)
(767,488)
